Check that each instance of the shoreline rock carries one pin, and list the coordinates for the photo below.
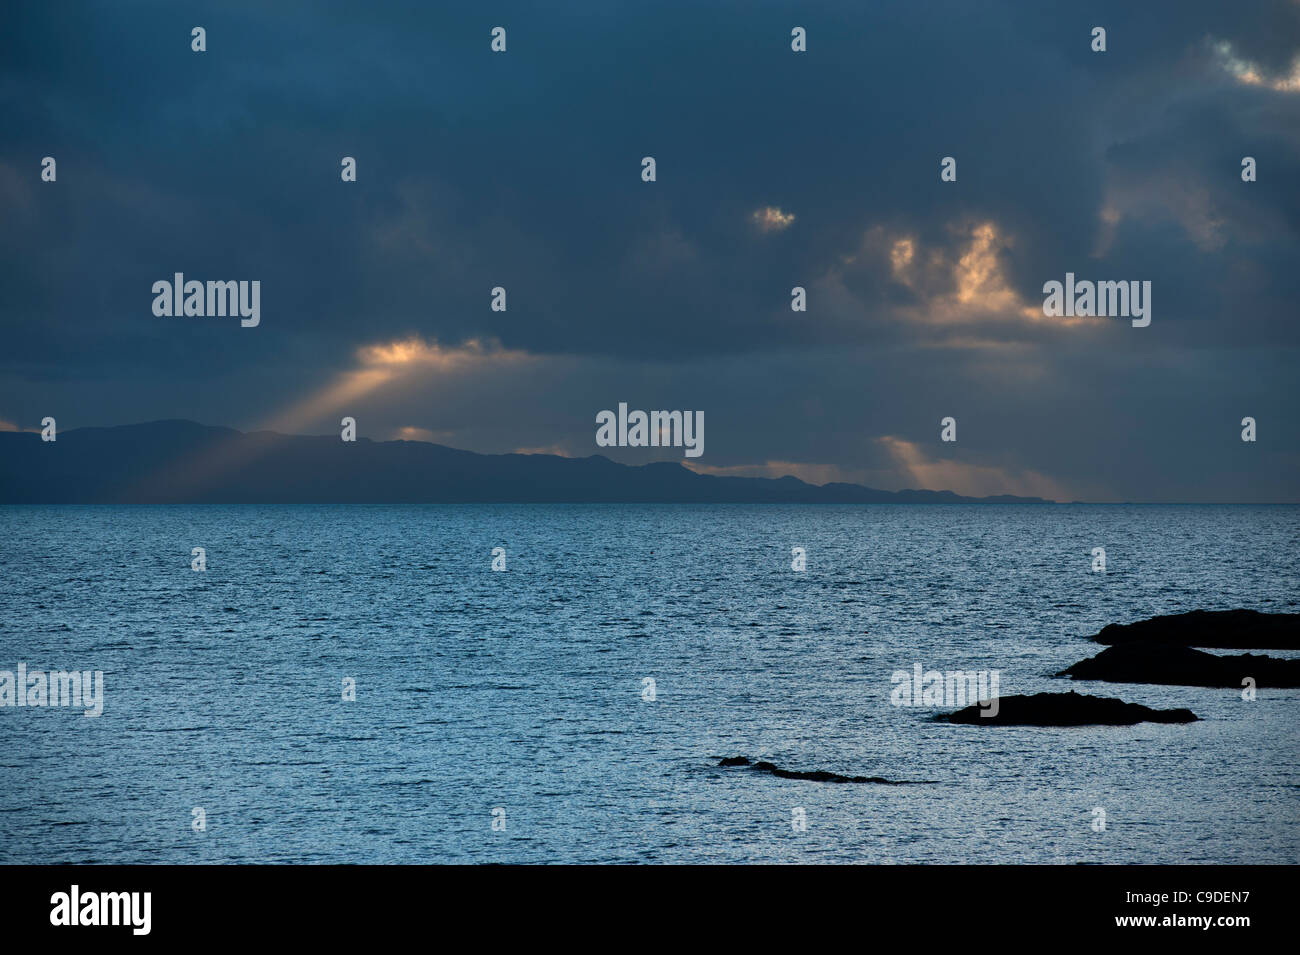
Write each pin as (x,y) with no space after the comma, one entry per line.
(816,776)
(1172,665)
(1066,709)
(1219,629)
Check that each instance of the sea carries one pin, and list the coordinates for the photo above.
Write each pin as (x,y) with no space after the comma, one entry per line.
(359,685)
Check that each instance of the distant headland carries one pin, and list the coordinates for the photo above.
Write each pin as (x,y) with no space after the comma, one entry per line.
(183,462)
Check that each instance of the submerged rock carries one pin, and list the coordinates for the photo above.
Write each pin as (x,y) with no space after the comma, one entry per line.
(816,776)
(1066,709)
(1221,629)
(1172,665)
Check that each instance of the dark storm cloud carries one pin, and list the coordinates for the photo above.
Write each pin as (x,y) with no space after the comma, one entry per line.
(522,170)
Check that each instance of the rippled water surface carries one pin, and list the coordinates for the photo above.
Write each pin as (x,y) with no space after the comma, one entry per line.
(523,690)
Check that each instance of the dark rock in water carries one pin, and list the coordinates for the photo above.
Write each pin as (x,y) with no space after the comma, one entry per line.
(1066,709)
(816,776)
(1221,629)
(1171,665)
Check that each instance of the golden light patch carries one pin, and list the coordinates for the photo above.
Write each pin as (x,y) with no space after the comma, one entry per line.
(772,219)
(415,351)
(978,273)
(971,288)
(1250,74)
(412,433)
(386,363)
(901,254)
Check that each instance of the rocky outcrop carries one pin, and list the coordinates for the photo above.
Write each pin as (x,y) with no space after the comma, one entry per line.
(1065,709)
(1172,665)
(816,776)
(1220,629)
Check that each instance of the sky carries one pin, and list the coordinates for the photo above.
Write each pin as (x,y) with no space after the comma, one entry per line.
(774,169)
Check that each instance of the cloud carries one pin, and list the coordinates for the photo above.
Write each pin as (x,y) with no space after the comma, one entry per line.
(951,291)
(964,285)
(1163,197)
(771,219)
(415,353)
(385,364)
(1252,74)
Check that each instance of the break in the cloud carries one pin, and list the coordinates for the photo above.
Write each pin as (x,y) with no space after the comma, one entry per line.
(388,364)
(1252,74)
(771,219)
(962,284)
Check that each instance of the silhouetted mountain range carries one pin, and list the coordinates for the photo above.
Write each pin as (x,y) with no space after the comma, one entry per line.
(185,462)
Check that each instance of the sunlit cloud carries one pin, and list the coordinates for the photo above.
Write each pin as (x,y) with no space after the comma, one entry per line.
(415,352)
(963,286)
(960,294)
(901,254)
(771,219)
(1251,74)
(385,364)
